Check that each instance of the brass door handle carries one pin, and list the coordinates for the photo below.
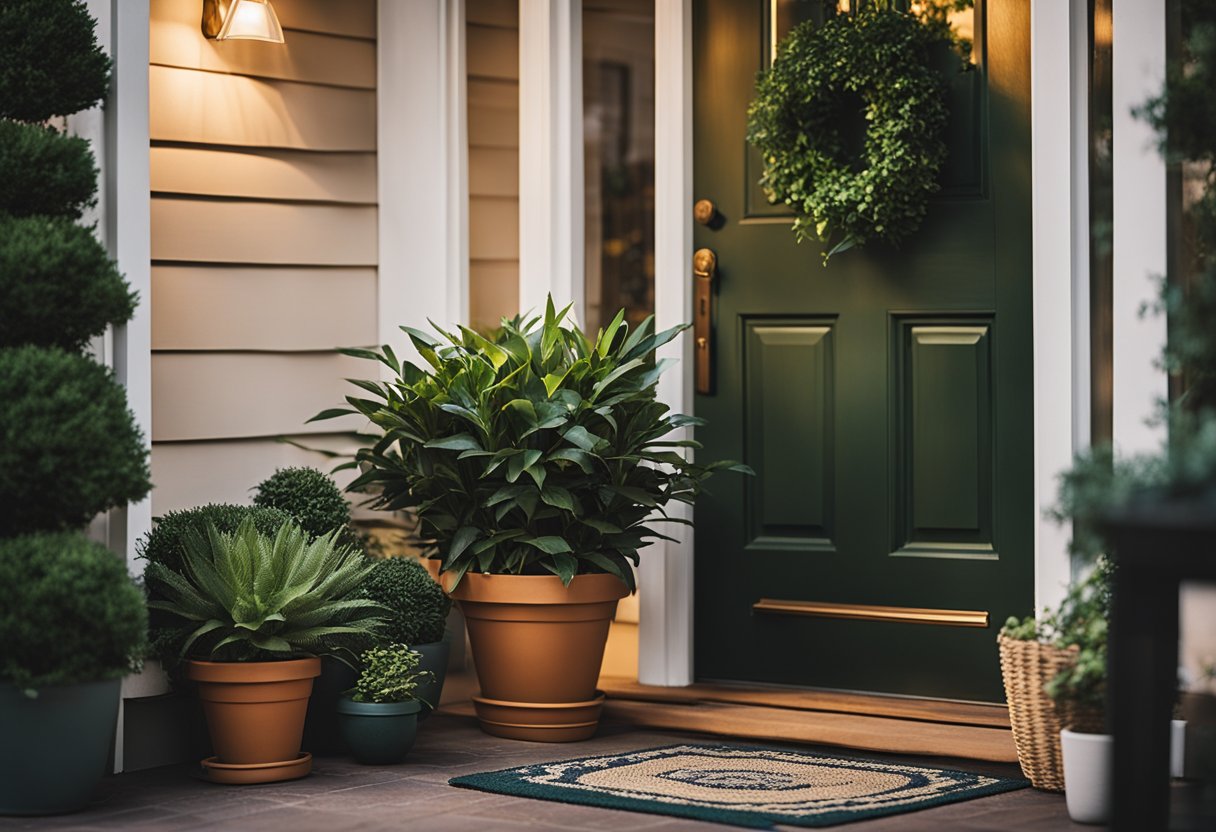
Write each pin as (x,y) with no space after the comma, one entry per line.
(704,269)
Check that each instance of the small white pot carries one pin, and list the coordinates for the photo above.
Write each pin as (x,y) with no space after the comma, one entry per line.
(1088,763)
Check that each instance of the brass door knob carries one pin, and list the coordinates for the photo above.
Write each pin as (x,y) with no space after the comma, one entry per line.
(705,212)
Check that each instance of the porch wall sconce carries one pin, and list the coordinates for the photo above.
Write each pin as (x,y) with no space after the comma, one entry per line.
(241,20)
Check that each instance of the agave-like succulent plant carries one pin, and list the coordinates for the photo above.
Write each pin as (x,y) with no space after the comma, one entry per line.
(252,597)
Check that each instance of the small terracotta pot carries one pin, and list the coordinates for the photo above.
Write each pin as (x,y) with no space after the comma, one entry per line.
(538,647)
(255,713)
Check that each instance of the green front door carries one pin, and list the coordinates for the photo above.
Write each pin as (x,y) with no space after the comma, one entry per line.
(885,401)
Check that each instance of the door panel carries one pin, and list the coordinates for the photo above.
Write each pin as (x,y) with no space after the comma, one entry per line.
(884,400)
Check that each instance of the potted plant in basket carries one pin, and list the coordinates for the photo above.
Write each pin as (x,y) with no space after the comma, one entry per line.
(379,717)
(538,464)
(263,610)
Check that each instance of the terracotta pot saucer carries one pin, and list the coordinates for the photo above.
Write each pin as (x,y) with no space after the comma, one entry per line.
(242,774)
(539,721)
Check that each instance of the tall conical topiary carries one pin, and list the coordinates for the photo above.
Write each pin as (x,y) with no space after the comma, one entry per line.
(69,445)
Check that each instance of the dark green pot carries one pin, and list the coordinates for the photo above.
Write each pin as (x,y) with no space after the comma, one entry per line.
(54,748)
(321,732)
(435,659)
(378,733)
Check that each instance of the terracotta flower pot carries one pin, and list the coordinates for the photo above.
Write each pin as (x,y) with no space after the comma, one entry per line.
(538,646)
(255,714)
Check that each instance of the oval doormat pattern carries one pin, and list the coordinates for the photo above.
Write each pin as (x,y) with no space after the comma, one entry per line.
(742,785)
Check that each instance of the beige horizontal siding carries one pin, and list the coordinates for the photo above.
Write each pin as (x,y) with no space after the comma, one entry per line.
(493,126)
(264,174)
(200,307)
(215,231)
(228,395)
(264,242)
(350,18)
(186,105)
(188,474)
(493,13)
(497,229)
(304,56)
(493,52)
(493,113)
(493,171)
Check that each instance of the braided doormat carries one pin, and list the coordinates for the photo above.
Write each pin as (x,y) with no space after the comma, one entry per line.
(742,785)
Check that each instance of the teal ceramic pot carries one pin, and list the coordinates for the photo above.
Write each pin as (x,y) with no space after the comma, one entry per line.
(435,659)
(55,747)
(321,732)
(378,733)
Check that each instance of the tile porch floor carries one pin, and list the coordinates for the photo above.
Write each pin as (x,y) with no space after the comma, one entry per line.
(341,795)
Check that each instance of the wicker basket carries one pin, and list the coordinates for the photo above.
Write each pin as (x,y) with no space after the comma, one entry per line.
(1026,666)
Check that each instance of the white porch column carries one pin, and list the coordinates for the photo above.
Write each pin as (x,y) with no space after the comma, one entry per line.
(1138,70)
(551,256)
(422,168)
(665,648)
(1060,205)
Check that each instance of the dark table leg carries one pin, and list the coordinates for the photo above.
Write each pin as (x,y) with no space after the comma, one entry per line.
(1144,676)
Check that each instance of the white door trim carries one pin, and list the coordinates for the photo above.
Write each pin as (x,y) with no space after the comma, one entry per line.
(422,167)
(1140,241)
(551,213)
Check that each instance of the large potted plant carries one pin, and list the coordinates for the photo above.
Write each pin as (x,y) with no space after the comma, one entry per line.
(379,716)
(538,464)
(263,609)
(72,624)
(418,617)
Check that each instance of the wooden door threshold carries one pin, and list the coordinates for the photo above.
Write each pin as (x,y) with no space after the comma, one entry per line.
(872,722)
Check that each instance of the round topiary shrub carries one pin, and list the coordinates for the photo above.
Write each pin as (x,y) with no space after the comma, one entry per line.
(309,496)
(419,606)
(59,285)
(69,613)
(43,171)
(69,447)
(50,62)
(164,543)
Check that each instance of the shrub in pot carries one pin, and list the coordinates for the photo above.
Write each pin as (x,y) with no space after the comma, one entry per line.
(537,464)
(72,624)
(379,717)
(263,609)
(418,617)
(311,498)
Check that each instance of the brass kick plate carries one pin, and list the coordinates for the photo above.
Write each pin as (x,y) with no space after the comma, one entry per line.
(704,268)
(869,612)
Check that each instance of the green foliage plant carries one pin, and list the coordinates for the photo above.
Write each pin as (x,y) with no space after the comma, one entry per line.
(309,496)
(69,613)
(251,597)
(69,446)
(166,543)
(885,62)
(390,674)
(50,61)
(59,285)
(43,171)
(419,606)
(541,451)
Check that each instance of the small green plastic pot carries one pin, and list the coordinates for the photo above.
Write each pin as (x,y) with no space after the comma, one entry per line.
(378,733)
(55,746)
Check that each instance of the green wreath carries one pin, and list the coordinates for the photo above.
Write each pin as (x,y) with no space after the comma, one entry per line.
(880,61)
